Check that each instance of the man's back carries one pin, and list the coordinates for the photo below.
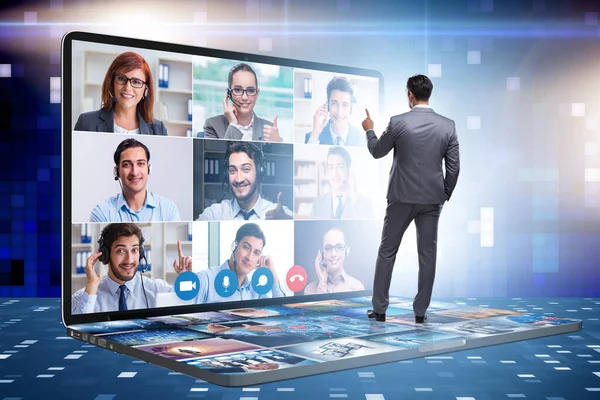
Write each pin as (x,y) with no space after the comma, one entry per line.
(421,139)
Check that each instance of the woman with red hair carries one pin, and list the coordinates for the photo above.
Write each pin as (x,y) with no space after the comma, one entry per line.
(127,100)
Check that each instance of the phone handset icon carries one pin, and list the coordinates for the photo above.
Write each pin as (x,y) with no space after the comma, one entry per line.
(296,277)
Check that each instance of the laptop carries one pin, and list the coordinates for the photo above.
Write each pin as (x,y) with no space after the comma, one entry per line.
(222,215)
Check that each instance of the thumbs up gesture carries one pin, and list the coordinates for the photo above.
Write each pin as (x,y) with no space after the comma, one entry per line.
(271,133)
(278,212)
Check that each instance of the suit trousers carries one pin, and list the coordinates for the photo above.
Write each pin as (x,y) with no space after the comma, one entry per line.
(398,217)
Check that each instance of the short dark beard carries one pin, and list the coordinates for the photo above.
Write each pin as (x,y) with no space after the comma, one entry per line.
(117,273)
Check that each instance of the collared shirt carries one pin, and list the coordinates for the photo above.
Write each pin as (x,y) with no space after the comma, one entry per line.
(245,291)
(230,209)
(247,130)
(346,283)
(343,137)
(155,208)
(422,105)
(107,297)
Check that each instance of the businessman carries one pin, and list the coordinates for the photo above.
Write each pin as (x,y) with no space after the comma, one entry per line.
(417,189)
(343,202)
(120,290)
(135,203)
(337,130)
(238,120)
(329,265)
(244,170)
(246,257)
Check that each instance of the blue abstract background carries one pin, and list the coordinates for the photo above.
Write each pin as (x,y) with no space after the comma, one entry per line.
(520,78)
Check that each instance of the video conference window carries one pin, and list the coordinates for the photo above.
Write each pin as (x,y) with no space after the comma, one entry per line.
(241,100)
(198,180)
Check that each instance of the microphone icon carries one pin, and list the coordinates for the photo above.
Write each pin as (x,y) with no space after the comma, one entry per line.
(226,282)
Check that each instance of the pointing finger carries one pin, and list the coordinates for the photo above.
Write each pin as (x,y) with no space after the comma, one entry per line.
(368,116)
(179,249)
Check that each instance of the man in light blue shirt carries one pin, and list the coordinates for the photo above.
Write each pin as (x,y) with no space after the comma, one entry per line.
(246,258)
(135,203)
(244,171)
(120,289)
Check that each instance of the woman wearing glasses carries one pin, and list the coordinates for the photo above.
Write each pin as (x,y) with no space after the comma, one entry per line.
(329,265)
(238,120)
(127,100)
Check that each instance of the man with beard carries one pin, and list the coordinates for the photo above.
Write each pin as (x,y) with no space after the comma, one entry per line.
(135,203)
(119,290)
(329,264)
(243,167)
(338,109)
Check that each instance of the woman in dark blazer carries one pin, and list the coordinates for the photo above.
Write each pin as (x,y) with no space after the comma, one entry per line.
(127,100)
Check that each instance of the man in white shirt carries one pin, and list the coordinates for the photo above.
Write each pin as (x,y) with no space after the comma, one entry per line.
(331,122)
(243,170)
(120,246)
(343,202)
(238,120)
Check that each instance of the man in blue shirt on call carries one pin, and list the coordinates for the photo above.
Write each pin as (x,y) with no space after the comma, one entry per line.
(135,203)
(229,281)
(121,247)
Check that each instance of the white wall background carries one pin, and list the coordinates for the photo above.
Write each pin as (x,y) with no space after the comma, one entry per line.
(93,180)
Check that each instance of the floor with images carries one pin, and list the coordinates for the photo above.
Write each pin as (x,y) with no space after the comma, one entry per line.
(38,360)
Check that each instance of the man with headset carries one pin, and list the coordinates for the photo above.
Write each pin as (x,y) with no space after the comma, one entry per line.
(231,278)
(135,203)
(329,264)
(238,120)
(343,202)
(338,108)
(244,169)
(121,247)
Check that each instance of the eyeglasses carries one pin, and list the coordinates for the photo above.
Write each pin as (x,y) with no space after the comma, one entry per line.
(340,247)
(135,82)
(238,91)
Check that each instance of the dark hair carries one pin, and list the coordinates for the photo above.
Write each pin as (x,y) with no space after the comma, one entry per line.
(112,232)
(129,144)
(332,228)
(342,152)
(122,64)
(420,86)
(254,152)
(250,229)
(240,67)
(340,83)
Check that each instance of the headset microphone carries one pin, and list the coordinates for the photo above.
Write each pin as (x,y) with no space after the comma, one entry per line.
(231,98)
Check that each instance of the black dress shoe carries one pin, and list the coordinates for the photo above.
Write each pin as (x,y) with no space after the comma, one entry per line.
(377,316)
(420,320)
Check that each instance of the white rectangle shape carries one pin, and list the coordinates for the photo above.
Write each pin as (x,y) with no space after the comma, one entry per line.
(199,390)
(29,341)
(127,374)
(562,368)
(508,362)
(526,375)
(552,362)
(45,376)
(286,389)
(592,175)
(56,368)
(7,380)
(4,356)
(251,390)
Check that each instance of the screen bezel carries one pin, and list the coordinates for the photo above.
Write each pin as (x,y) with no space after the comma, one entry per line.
(66,160)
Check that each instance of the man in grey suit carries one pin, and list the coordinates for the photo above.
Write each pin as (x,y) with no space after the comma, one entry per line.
(343,202)
(238,120)
(417,189)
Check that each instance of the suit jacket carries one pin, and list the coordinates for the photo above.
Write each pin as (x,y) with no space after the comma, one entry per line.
(103,121)
(355,207)
(421,139)
(355,137)
(218,128)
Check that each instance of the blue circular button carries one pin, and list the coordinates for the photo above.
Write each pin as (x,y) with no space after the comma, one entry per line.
(262,280)
(226,283)
(187,285)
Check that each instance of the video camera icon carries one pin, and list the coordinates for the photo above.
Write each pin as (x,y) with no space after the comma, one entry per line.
(187,285)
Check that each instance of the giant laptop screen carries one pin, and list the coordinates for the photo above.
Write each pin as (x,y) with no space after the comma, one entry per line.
(198,179)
